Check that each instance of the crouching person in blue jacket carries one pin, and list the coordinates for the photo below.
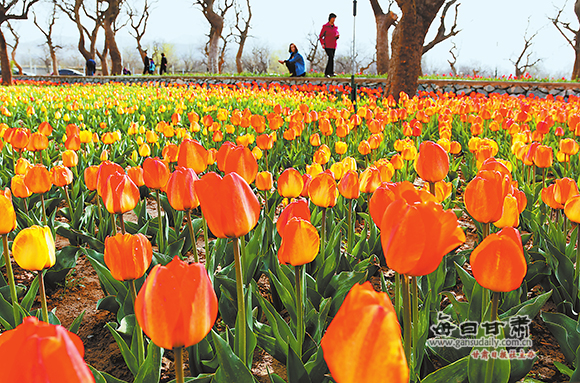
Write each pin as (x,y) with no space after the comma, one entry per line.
(295,62)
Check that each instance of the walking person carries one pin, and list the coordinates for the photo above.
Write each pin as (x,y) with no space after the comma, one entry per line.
(163,66)
(145,64)
(295,62)
(91,67)
(328,36)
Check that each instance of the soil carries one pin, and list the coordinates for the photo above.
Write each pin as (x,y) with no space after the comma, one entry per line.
(81,292)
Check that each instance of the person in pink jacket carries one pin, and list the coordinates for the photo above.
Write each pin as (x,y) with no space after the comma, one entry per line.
(328,36)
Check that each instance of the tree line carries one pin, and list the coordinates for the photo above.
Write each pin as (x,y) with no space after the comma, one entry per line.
(398,52)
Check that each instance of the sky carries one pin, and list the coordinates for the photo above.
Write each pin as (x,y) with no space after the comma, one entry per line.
(492,32)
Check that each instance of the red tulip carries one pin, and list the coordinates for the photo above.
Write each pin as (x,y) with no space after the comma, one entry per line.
(238,209)
(128,256)
(177,305)
(155,173)
(181,189)
(363,341)
(36,351)
(498,263)
(415,237)
(432,163)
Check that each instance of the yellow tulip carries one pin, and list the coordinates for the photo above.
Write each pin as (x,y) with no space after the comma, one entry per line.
(34,249)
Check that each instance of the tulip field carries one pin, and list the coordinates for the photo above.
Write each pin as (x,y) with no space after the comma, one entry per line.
(432,238)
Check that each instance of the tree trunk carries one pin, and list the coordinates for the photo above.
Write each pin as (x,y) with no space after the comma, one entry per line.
(103,57)
(116,59)
(384,22)
(53,59)
(5,61)
(213,48)
(407,45)
(576,70)
(240,53)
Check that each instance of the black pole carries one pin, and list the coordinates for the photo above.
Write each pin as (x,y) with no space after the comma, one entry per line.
(352,83)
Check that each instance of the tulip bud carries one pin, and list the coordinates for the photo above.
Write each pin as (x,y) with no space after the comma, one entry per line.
(180,189)
(128,256)
(300,242)
(290,183)
(33,248)
(38,179)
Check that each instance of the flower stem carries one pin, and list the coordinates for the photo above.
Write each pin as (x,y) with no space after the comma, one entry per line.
(122,221)
(10,275)
(265,202)
(490,363)
(206,242)
(241,332)
(159,220)
(114,220)
(70,206)
(192,235)
(300,329)
(350,228)
(323,234)
(415,298)
(432,188)
(44,219)
(485,230)
(140,343)
(407,319)
(99,209)
(43,296)
(178,352)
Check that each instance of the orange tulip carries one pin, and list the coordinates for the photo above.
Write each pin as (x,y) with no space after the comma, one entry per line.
(192,155)
(128,256)
(22,166)
(177,305)
(36,351)
(498,262)
(364,147)
(8,221)
(363,341)
(106,169)
(37,142)
(548,197)
(370,179)
(484,195)
(223,153)
(572,209)
(297,208)
(264,181)
(45,128)
(38,179)
(70,158)
(306,179)
(323,190)
(61,176)
(415,237)
(265,141)
(348,187)
(136,175)
(432,163)
(90,174)
(19,188)
(544,156)
(170,153)
(239,209)
(73,142)
(510,215)
(386,193)
(569,146)
(20,138)
(181,189)
(121,194)
(241,160)
(564,189)
(290,183)
(300,242)
(155,173)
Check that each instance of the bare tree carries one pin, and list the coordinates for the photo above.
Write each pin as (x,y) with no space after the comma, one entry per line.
(407,44)
(316,57)
(442,35)
(138,23)
(109,24)
(453,52)
(11,10)
(78,11)
(520,67)
(216,21)
(242,34)
(574,41)
(47,32)
(14,46)
(258,61)
(384,22)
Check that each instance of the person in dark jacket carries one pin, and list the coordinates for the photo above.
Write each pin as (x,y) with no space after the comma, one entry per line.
(145,64)
(295,62)
(328,36)
(163,66)
(91,67)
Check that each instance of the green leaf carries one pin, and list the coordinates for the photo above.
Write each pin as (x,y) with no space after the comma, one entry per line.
(456,372)
(128,356)
(103,377)
(564,330)
(295,369)
(564,369)
(231,368)
(530,307)
(150,370)
(30,296)
(74,327)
